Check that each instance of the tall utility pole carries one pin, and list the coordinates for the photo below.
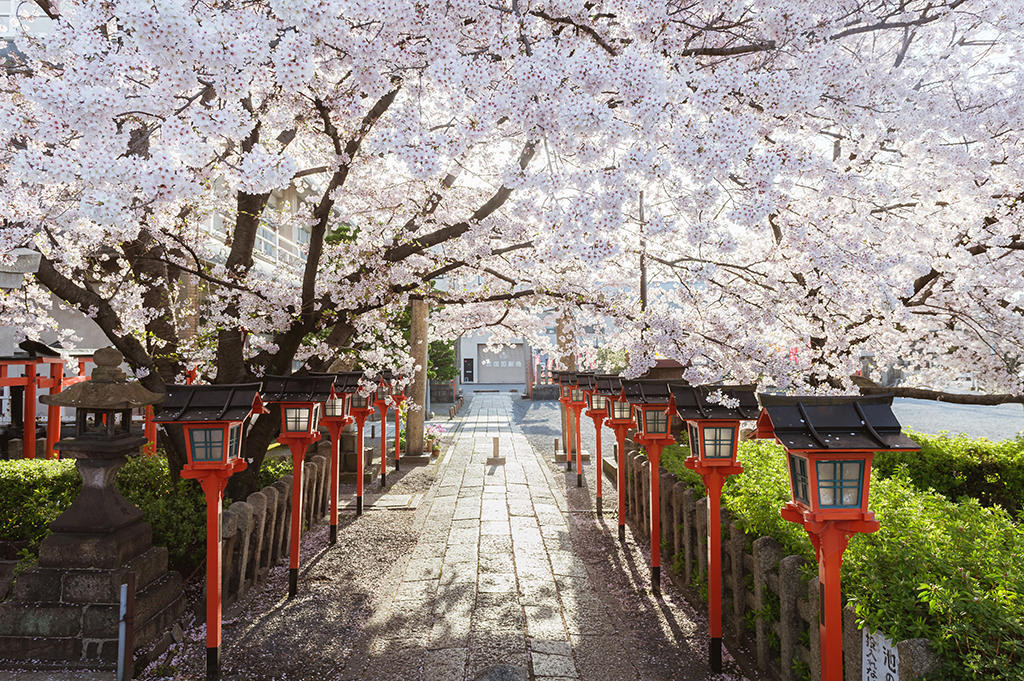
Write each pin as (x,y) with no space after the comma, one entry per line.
(418,343)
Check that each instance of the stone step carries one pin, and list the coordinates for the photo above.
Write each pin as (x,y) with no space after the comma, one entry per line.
(51,585)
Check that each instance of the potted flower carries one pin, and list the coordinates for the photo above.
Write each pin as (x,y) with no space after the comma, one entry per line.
(432,438)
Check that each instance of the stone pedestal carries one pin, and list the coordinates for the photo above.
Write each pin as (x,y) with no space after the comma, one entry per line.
(65,611)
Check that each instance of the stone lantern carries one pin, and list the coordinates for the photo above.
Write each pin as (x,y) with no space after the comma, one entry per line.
(67,609)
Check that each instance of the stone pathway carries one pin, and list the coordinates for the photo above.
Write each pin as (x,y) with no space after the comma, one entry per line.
(513,577)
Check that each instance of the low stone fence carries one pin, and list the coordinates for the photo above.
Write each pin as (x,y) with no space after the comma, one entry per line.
(768,608)
(255,532)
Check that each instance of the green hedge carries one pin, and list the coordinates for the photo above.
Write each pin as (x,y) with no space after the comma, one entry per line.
(959,466)
(950,571)
(33,492)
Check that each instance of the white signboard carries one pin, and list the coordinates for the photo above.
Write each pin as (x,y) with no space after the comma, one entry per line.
(880,661)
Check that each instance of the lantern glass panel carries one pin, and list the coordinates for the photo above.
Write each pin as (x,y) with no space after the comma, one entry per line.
(655,421)
(798,475)
(694,439)
(577,395)
(623,410)
(235,441)
(839,483)
(335,407)
(382,393)
(566,390)
(296,419)
(718,441)
(597,402)
(207,444)
(361,401)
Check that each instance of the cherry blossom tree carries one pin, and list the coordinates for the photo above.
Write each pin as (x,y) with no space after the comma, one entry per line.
(819,180)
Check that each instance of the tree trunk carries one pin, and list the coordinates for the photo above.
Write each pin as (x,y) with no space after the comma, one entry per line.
(419,343)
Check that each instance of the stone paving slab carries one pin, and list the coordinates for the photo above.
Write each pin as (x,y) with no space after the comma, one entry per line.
(522,581)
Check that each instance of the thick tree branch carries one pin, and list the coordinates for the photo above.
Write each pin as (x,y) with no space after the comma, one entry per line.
(869,387)
(402,251)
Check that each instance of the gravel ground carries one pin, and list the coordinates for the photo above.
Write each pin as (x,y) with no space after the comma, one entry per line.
(311,636)
(663,634)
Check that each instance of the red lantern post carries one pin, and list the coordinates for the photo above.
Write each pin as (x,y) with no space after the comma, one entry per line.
(577,401)
(713,415)
(399,399)
(565,381)
(335,418)
(362,407)
(300,399)
(830,442)
(650,399)
(597,411)
(382,401)
(213,418)
(620,420)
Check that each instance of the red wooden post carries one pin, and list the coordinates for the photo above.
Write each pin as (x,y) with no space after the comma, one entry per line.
(713,482)
(360,417)
(334,429)
(577,409)
(620,437)
(213,487)
(654,455)
(598,419)
(568,438)
(382,408)
(29,437)
(213,481)
(830,548)
(150,431)
(53,411)
(298,448)
(398,431)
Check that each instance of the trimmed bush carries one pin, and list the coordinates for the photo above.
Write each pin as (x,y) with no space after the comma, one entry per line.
(946,570)
(958,466)
(33,492)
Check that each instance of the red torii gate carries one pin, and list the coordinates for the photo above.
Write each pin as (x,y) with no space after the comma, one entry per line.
(40,354)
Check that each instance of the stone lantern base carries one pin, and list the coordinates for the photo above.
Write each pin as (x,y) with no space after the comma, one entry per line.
(69,616)
(66,610)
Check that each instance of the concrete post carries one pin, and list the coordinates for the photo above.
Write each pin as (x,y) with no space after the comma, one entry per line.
(418,390)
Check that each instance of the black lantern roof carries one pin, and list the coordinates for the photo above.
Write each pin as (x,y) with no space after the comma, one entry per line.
(186,403)
(311,388)
(609,385)
(848,422)
(564,377)
(692,401)
(646,391)
(345,382)
(586,380)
